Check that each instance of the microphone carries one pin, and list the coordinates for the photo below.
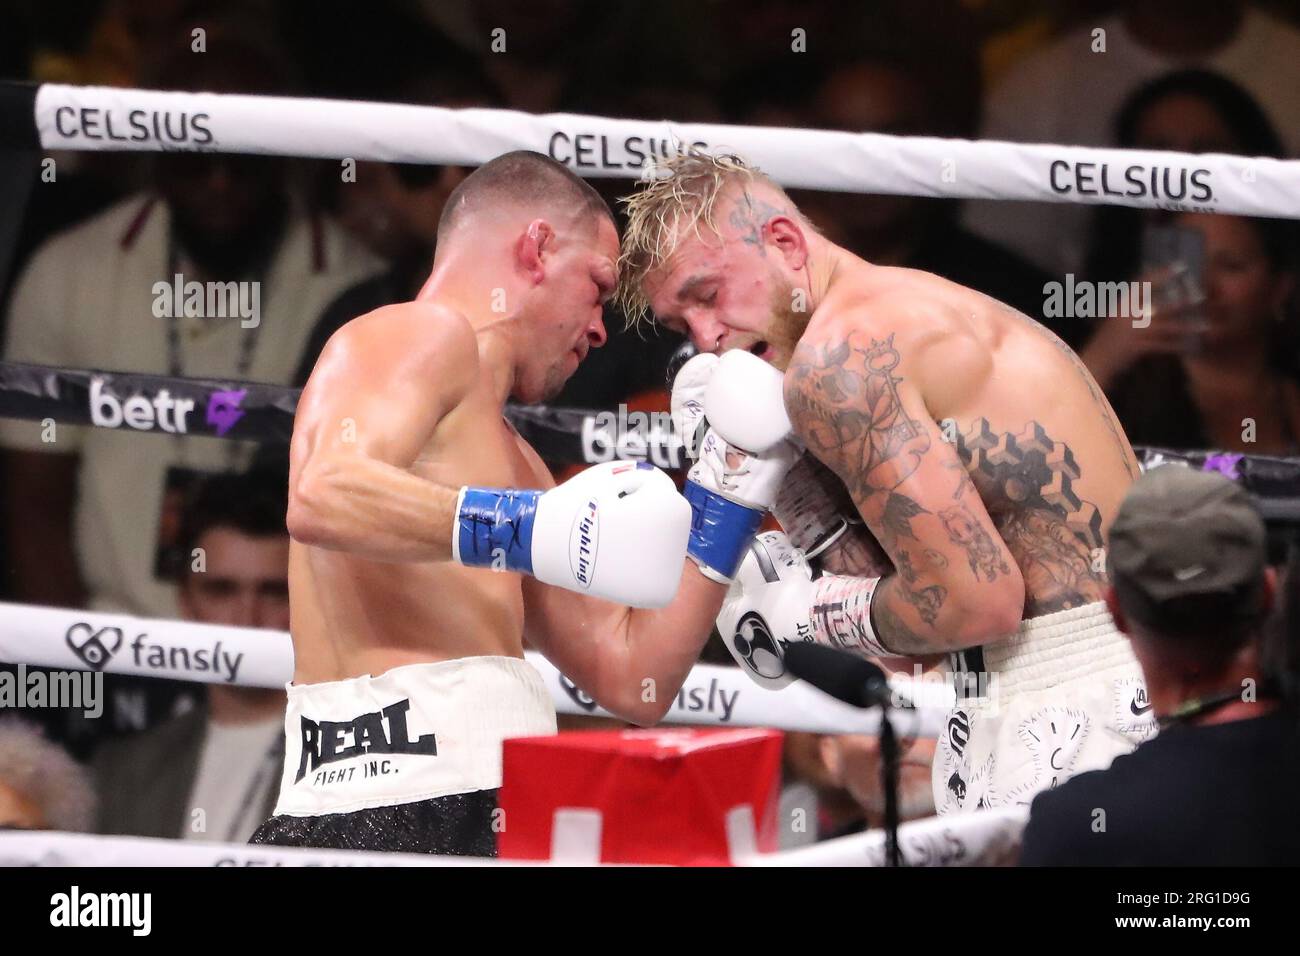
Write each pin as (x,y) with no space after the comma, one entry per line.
(858,683)
(846,677)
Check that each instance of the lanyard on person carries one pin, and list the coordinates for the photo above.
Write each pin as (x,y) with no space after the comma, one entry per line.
(1197,707)
(175,356)
(272,759)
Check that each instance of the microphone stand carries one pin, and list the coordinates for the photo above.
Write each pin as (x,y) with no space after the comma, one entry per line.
(889,772)
(859,683)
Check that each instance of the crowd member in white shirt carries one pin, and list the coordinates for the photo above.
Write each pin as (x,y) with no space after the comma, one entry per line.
(1070,91)
(214,773)
(85,505)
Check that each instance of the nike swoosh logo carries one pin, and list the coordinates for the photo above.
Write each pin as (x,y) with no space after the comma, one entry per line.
(1186,574)
(1138,711)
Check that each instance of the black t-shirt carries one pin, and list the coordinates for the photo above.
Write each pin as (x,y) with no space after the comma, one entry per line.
(1210,795)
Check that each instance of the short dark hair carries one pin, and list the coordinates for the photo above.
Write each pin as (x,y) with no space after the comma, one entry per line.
(523,177)
(253,503)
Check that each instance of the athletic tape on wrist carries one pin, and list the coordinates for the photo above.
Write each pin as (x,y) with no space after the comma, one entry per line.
(721,530)
(493,523)
(841,614)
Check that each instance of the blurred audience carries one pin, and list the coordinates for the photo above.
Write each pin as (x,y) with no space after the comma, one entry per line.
(1200,368)
(89,513)
(394,208)
(1193,111)
(892,95)
(521,43)
(85,505)
(833,785)
(41,787)
(214,773)
(1190,588)
(1070,91)
(1221,373)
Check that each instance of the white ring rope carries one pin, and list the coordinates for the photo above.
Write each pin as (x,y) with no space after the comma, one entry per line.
(986,838)
(65,639)
(104,118)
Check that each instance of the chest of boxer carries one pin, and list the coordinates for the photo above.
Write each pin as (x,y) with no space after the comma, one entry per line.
(1032,432)
(371,616)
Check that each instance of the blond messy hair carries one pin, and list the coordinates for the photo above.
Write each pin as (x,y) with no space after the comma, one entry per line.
(678,198)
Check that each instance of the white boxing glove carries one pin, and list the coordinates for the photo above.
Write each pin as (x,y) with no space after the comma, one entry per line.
(616,531)
(767,608)
(730,485)
(774,602)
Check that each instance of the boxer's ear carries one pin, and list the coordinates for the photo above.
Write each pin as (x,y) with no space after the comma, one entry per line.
(537,242)
(789,237)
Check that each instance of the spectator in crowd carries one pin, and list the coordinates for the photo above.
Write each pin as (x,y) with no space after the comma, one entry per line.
(854,763)
(1070,92)
(41,787)
(1190,588)
(814,805)
(394,208)
(1191,111)
(532,75)
(1221,374)
(834,787)
(85,505)
(214,773)
(891,94)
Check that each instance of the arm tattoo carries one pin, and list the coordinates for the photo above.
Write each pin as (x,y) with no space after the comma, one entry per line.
(905,568)
(1026,481)
(927,601)
(845,405)
(964,531)
(936,559)
(893,632)
(963,479)
(899,512)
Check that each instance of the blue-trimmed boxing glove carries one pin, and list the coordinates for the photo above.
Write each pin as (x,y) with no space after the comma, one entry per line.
(616,531)
(730,413)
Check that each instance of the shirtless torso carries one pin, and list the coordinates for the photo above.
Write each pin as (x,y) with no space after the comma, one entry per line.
(951,416)
(355,613)
(980,454)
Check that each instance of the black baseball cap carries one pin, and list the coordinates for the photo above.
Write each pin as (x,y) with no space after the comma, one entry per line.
(1187,550)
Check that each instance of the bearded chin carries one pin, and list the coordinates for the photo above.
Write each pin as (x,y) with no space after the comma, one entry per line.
(791,312)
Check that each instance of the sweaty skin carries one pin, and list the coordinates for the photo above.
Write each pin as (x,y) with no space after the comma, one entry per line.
(404,407)
(974,444)
(982,457)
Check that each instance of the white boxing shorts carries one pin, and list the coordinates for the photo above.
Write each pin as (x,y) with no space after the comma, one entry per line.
(413,733)
(1063,695)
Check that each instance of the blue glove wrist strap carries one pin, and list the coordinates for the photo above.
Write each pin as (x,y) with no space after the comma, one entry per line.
(720,529)
(494,528)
